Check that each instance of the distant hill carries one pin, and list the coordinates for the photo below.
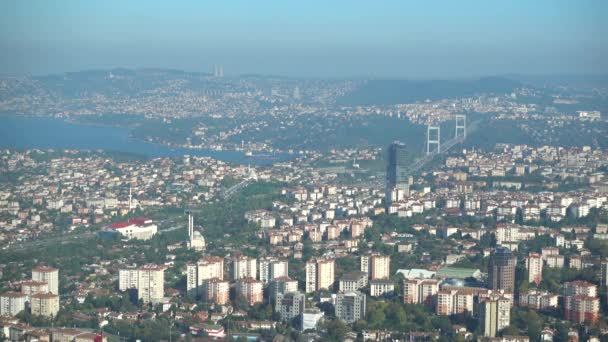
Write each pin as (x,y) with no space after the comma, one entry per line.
(117,82)
(389,92)
(573,80)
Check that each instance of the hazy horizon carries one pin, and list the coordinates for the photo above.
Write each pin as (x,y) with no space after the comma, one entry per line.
(513,76)
(313,39)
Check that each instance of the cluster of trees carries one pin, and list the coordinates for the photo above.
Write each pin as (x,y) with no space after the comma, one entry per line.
(118,303)
(227,217)
(554,278)
(146,330)
(598,247)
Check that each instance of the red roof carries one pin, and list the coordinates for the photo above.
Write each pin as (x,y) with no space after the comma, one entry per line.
(44,295)
(33,283)
(45,269)
(13,294)
(138,221)
(118,225)
(284,278)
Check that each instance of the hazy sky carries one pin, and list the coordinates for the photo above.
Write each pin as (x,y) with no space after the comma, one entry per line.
(416,39)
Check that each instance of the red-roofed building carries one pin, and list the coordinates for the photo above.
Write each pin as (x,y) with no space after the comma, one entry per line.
(580,287)
(141,228)
(581,309)
(581,302)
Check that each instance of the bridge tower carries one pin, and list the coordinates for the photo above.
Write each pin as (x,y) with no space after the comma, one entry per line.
(461,126)
(433,134)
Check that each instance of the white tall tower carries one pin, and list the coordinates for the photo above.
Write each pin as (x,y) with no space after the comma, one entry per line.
(196,241)
(190,226)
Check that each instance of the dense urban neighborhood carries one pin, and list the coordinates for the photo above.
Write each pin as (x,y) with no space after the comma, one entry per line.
(505,244)
(473,216)
(303,171)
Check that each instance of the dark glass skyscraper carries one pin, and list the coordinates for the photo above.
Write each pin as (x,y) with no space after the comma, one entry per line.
(501,272)
(396,170)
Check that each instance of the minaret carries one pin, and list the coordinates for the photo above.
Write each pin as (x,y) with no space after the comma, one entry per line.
(190,226)
(130,199)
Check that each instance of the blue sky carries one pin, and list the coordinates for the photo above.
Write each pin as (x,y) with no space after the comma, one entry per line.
(409,39)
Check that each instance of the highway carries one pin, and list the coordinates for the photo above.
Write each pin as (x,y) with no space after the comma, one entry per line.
(446,146)
(227,193)
(421,162)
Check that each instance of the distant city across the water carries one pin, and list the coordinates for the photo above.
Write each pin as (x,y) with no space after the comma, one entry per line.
(23,132)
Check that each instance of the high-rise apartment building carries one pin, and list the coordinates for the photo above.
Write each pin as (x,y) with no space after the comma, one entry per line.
(251,290)
(538,300)
(44,304)
(364,262)
(290,305)
(452,302)
(281,285)
(581,303)
(582,309)
(350,306)
(495,315)
(420,291)
(151,284)
(555,261)
(319,274)
(49,275)
(580,287)
(128,278)
(149,281)
(216,291)
(604,273)
(204,269)
(31,287)
(376,266)
(396,171)
(501,272)
(271,268)
(242,266)
(12,303)
(534,264)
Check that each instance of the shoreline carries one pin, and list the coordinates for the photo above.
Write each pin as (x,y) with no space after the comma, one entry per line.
(149,149)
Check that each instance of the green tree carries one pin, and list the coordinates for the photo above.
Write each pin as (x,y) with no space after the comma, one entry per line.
(376,318)
(336,330)
(561,333)
(397,317)
(510,330)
